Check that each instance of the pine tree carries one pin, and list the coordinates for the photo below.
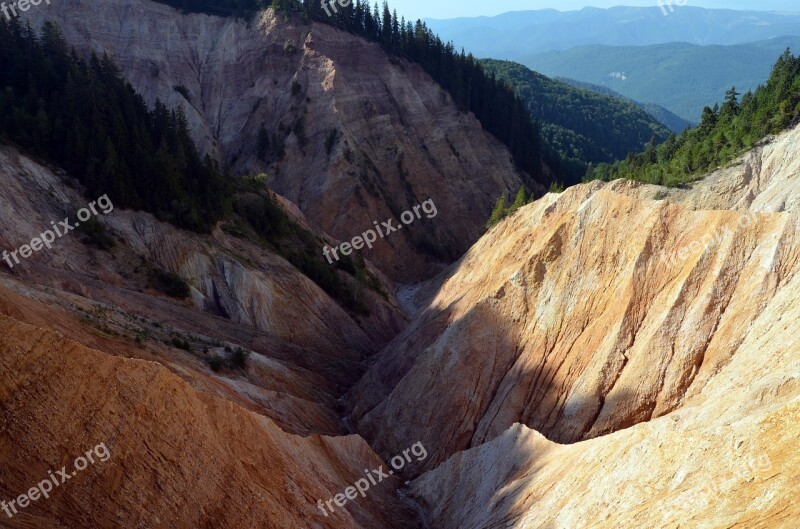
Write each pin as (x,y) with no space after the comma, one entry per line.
(731,104)
(386,26)
(395,31)
(376,19)
(591,173)
(519,201)
(650,154)
(262,143)
(499,212)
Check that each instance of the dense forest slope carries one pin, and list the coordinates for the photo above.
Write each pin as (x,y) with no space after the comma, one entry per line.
(579,126)
(83,117)
(665,117)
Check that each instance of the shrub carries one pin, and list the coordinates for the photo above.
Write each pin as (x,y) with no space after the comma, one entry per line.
(239,358)
(182,90)
(264,214)
(296,88)
(262,143)
(180,343)
(519,201)
(95,234)
(215,363)
(168,283)
(499,212)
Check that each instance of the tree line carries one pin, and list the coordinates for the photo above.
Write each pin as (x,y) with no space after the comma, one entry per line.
(724,133)
(82,116)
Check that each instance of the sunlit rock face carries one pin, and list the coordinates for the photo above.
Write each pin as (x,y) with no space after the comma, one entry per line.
(603,357)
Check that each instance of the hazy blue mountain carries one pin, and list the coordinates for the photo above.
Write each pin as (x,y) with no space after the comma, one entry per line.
(580,125)
(512,35)
(681,77)
(673,122)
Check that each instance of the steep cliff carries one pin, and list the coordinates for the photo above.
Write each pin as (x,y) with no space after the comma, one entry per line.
(354,136)
(568,371)
(307,348)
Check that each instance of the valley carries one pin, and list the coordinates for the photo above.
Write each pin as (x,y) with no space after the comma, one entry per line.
(610,353)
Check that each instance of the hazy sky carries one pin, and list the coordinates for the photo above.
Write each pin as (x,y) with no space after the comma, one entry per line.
(467,8)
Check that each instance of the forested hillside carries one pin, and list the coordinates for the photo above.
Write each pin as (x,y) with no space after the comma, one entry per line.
(672,121)
(494,104)
(579,126)
(724,133)
(85,118)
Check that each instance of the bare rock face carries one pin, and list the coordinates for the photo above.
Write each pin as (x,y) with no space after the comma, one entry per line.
(170,457)
(727,457)
(354,136)
(305,348)
(581,315)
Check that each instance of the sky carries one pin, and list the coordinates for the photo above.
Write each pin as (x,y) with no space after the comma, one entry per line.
(470,8)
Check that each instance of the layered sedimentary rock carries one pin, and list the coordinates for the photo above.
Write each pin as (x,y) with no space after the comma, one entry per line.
(726,456)
(581,315)
(306,349)
(174,457)
(354,136)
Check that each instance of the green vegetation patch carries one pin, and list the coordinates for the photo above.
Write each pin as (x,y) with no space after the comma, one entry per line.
(724,133)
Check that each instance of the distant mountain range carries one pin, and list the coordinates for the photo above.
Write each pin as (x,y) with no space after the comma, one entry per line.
(681,77)
(515,34)
(673,122)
